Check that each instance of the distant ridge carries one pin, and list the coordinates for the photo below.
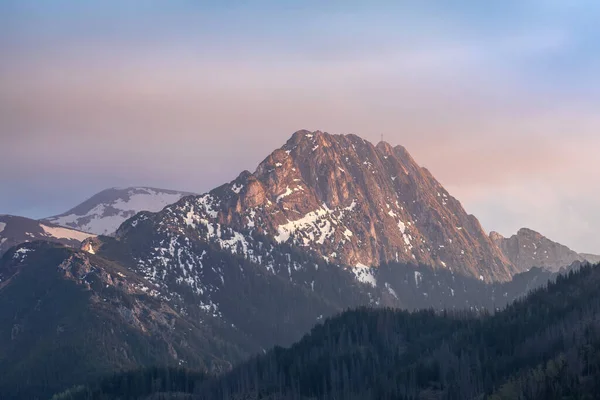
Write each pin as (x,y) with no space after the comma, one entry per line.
(15,230)
(528,249)
(105,211)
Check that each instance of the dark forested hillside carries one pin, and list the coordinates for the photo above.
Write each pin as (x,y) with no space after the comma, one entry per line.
(546,346)
(149,384)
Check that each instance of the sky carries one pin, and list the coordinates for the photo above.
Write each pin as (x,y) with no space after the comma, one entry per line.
(499,100)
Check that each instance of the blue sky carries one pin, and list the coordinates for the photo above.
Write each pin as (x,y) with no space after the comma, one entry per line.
(498,99)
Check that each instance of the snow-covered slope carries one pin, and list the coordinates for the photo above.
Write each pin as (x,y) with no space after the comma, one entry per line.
(16,230)
(104,212)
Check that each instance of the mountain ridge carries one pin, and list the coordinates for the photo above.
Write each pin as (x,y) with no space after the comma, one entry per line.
(528,248)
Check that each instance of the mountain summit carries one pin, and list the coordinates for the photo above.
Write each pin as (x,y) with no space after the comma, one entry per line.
(352,203)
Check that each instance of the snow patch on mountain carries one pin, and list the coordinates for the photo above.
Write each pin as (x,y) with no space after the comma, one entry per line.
(16,230)
(89,248)
(418,278)
(391,290)
(307,224)
(237,188)
(209,204)
(287,192)
(64,233)
(364,274)
(21,253)
(317,226)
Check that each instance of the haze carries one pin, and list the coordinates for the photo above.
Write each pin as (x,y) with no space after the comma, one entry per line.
(498,100)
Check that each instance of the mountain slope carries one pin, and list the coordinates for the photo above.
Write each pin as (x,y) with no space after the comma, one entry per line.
(529,249)
(68,317)
(105,211)
(16,230)
(543,347)
(273,301)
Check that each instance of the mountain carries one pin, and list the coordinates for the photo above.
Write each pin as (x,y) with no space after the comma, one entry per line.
(105,211)
(340,197)
(529,248)
(15,230)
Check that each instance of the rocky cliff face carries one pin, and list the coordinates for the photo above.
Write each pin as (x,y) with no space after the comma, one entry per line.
(529,249)
(350,202)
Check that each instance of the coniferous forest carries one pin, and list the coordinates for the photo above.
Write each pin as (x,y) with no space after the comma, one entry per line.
(545,346)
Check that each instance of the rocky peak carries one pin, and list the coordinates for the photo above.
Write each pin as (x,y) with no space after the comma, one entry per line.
(352,203)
